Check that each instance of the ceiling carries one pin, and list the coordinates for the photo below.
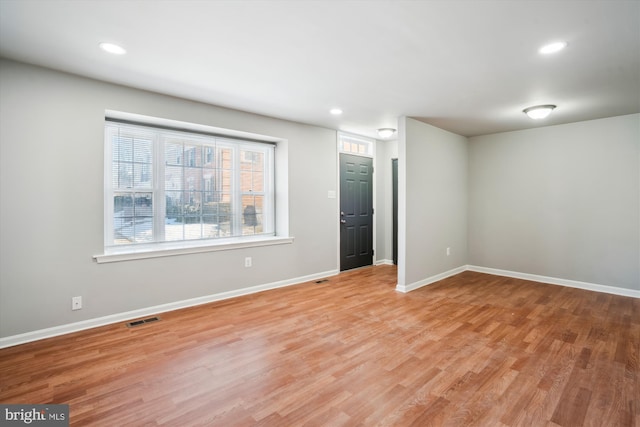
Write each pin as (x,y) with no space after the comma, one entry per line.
(469,67)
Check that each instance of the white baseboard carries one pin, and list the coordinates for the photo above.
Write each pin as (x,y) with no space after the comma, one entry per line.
(525,276)
(163,308)
(555,281)
(430,280)
(384,262)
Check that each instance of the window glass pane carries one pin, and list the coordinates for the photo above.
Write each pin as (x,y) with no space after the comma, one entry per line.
(143,212)
(192,155)
(193,179)
(143,207)
(142,175)
(122,149)
(258,181)
(192,229)
(251,175)
(225,225)
(252,214)
(123,218)
(193,205)
(209,157)
(355,145)
(133,217)
(173,178)
(174,228)
(209,187)
(246,183)
(124,177)
(173,232)
(258,162)
(173,204)
(225,184)
(173,153)
(131,160)
(210,208)
(142,150)
(226,158)
(209,226)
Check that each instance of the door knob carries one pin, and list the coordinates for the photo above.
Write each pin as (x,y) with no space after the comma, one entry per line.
(343,221)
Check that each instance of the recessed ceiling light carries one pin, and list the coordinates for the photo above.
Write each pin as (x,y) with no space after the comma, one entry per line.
(335,111)
(113,48)
(539,111)
(552,48)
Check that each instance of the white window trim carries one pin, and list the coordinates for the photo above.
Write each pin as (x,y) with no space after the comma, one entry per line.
(194,247)
(278,187)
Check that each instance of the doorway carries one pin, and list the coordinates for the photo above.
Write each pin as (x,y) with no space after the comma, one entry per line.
(394,189)
(356,211)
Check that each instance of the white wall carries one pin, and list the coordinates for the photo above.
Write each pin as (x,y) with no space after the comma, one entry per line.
(432,203)
(560,201)
(51,204)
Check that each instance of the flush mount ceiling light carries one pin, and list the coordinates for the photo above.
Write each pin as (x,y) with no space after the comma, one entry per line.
(386,132)
(335,111)
(539,111)
(552,47)
(113,48)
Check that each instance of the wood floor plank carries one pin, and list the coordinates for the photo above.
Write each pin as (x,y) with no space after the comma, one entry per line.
(471,350)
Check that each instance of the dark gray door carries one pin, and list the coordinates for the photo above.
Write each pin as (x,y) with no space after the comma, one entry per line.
(394,183)
(356,211)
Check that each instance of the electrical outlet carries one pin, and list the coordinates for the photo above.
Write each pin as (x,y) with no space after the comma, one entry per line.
(76,303)
(247,261)
(448,251)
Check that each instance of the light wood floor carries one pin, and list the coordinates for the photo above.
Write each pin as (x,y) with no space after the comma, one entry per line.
(473,349)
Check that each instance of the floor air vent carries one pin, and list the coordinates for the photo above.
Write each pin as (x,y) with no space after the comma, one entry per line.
(322,280)
(142,321)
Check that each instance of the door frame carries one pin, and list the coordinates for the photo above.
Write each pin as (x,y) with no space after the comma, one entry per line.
(337,192)
(394,210)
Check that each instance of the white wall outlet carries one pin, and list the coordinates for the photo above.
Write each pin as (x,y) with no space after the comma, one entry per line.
(448,251)
(76,303)
(247,261)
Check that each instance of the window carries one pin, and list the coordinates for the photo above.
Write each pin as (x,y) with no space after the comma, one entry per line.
(355,145)
(166,186)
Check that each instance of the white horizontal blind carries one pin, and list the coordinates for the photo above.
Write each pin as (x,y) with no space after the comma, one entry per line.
(164,185)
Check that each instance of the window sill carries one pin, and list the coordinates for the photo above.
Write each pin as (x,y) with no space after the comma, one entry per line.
(179,248)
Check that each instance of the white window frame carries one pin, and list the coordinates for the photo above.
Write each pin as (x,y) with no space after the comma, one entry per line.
(275,232)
